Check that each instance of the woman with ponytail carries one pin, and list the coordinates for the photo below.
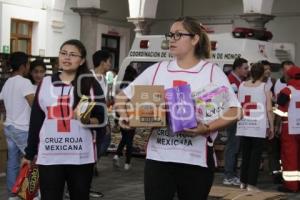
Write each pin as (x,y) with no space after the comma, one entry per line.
(184,162)
(256,125)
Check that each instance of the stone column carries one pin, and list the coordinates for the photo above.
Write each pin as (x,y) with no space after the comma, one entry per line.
(142,13)
(88,29)
(257,13)
(142,25)
(257,20)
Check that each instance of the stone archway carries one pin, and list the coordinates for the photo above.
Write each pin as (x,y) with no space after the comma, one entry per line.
(88,3)
(142,12)
(257,13)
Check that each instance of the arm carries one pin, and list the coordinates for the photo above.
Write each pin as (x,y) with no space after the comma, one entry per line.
(270,114)
(37,117)
(127,93)
(30,98)
(232,115)
(280,109)
(120,107)
(28,91)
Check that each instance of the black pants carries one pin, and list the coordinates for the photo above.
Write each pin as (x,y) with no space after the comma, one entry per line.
(274,154)
(162,180)
(127,139)
(252,149)
(54,177)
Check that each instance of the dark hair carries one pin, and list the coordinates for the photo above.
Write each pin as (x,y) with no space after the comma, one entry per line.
(265,62)
(115,70)
(238,62)
(286,62)
(87,82)
(257,71)
(17,59)
(99,56)
(202,49)
(33,65)
(129,76)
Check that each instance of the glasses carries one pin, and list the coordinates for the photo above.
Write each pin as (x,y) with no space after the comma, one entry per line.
(70,55)
(177,35)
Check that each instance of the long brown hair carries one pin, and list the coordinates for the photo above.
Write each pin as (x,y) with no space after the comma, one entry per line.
(257,71)
(203,48)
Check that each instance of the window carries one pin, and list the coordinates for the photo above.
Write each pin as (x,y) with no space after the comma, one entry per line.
(20,36)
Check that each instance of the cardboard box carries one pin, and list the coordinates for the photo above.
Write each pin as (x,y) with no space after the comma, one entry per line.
(229,193)
(147,107)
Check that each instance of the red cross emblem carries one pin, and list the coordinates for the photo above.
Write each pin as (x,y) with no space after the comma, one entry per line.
(177,83)
(248,105)
(62,112)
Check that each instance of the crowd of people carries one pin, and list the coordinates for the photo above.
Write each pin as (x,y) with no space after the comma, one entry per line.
(44,122)
(258,91)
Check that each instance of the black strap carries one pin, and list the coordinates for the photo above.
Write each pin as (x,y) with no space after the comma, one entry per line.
(210,153)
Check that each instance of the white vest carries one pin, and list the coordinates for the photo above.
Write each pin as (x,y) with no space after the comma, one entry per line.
(294,112)
(254,122)
(163,146)
(63,140)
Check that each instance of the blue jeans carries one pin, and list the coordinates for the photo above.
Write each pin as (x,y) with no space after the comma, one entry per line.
(231,152)
(16,142)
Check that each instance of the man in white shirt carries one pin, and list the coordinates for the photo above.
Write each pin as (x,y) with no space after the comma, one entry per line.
(17,94)
(102,64)
(102,61)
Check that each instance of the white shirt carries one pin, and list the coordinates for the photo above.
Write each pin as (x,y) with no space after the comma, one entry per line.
(35,87)
(17,108)
(163,146)
(102,82)
(113,92)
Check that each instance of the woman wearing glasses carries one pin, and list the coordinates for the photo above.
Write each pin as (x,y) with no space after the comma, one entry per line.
(185,164)
(63,145)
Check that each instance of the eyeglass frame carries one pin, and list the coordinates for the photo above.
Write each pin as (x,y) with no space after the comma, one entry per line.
(178,35)
(69,55)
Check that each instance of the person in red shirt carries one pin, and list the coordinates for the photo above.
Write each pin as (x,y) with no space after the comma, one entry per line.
(239,73)
(288,105)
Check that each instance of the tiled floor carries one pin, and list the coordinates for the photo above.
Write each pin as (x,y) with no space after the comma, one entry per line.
(118,184)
